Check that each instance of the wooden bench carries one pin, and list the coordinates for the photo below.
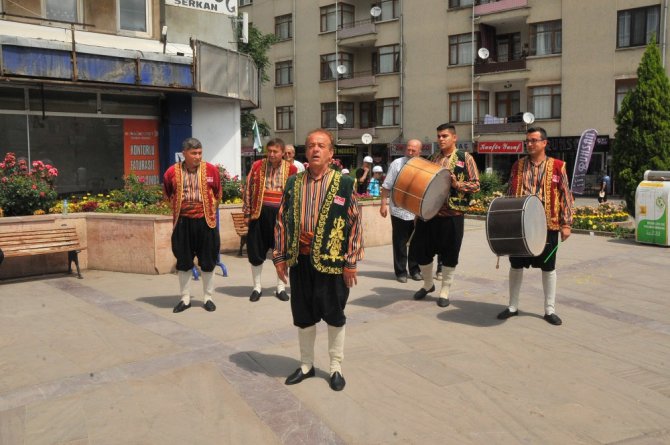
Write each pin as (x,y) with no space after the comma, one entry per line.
(241,229)
(43,241)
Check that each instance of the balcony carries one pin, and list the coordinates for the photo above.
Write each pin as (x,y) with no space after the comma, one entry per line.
(355,133)
(497,67)
(492,124)
(362,83)
(362,33)
(493,6)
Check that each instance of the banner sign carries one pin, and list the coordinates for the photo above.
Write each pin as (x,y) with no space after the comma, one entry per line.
(500,147)
(399,149)
(228,7)
(140,150)
(584,150)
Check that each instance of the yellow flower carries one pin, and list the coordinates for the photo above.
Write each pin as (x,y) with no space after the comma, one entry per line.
(594,226)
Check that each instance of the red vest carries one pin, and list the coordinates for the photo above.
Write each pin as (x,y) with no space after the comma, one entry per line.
(209,184)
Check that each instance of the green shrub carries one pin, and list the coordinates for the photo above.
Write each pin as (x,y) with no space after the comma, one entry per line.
(24,190)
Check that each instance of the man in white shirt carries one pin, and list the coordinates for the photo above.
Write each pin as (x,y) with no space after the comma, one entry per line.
(402,221)
(289,155)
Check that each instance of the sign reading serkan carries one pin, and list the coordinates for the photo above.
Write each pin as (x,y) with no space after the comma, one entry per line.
(228,7)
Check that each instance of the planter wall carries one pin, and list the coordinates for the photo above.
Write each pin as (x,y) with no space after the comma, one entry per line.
(140,243)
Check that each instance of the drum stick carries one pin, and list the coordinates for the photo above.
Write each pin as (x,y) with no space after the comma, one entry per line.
(409,240)
(551,253)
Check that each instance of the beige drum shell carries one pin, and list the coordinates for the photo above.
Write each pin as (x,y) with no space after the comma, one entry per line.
(421,187)
(516,226)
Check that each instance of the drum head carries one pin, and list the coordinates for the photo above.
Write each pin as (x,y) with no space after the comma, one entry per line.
(534,225)
(436,193)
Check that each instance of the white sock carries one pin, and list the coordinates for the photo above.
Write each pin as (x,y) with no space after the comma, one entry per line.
(280,285)
(208,285)
(256,272)
(549,287)
(427,272)
(336,348)
(185,285)
(515,280)
(306,338)
(447,280)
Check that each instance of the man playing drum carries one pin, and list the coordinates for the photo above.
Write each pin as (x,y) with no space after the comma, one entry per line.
(546,177)
(443,233)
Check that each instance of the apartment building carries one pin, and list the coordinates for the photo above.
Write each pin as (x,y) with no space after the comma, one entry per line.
(396,69)
(104,88)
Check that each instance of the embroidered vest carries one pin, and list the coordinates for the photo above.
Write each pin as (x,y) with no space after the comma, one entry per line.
(331,234)
(458,200)
(206,193)
(257,182)
(552,174)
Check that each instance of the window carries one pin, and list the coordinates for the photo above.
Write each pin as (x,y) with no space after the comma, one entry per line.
(636,26)
(390,10)
(284,73)
(284,27)
(459,3)
(63,10)
(460,106)
(386,59)
(388,112)
(460,49)
(329,65)
(508,103)
(285,118)
(623,86)
(340,16)
(545,102)
(329,113)
(368,114)
(546,38)
(508,47)
(133,16)
(246,2)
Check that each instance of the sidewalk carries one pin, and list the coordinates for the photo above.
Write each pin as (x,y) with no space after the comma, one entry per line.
(104,360)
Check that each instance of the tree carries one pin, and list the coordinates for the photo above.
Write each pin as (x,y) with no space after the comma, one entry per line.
(257,48)
(642,140)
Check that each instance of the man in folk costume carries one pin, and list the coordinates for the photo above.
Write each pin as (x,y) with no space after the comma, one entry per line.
(443,234)
(546,177)
(262,195)
(319,236)
(194,190)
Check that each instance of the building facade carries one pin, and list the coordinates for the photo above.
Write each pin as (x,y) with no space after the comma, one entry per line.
(396,69)
(104,88)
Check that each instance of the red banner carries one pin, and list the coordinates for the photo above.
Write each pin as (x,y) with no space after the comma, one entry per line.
(140,149)
(500,147)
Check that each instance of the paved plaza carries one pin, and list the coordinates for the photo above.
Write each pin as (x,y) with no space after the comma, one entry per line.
(104,360)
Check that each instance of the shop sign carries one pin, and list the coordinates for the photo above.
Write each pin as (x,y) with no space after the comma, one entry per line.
(399,149)
(248,151)
(140,149)
(228,7)
(500,147)
(464,146)
(346,150)
(570,143)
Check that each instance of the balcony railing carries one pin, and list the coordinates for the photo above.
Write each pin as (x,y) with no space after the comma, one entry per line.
(358,29)
(359,79)
(493,6)
(353,133)
(492,124)
(496,67)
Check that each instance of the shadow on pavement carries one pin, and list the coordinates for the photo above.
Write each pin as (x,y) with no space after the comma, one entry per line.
(269,364)
(163,301)
(379,274)
(475,313)
(383,296)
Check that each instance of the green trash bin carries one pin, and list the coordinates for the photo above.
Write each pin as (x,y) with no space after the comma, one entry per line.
(652,198)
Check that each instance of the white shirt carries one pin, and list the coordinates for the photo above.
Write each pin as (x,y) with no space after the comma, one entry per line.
(391,175)
(299,165)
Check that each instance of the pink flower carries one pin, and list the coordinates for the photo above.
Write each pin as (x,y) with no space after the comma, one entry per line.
(53,171)
(2,165)
(4,179)
(34,187)
(42,194)
(141,180)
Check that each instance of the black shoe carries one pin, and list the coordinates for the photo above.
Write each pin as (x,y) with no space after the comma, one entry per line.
(209,306)
(443,302)
(298,376)
(504,315)
(402,279)
(337,382)
(181,307)
(553,319)
(417,276)
(283,296)
(421,293)
(255,296)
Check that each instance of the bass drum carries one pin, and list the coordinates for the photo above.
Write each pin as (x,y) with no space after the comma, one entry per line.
(516,226)
(421,187)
